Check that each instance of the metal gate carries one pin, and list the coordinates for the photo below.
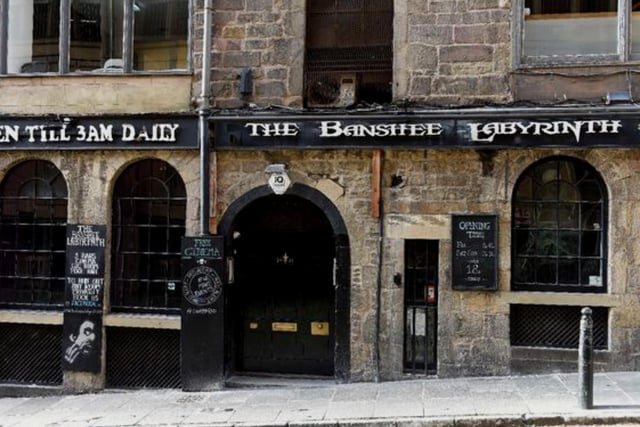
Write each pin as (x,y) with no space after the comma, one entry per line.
(421,306)
(143,358)
(31,354)
(555,326)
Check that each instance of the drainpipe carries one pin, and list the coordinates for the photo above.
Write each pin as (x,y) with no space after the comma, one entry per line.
(204,112)
(377,161)
(4,35)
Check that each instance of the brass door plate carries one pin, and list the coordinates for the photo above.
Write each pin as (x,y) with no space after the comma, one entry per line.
(320,328)
(284,327)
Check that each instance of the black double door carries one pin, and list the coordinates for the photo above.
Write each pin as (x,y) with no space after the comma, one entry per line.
(283,295)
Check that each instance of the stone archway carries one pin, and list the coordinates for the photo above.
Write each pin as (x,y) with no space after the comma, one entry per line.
(292,276)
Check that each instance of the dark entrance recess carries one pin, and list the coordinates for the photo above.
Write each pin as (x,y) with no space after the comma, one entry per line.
(421,306)
(287,305)
(282,298)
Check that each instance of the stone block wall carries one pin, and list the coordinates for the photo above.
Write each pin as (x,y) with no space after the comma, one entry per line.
(452,52)
(473,326)
(445,52)
(266,36)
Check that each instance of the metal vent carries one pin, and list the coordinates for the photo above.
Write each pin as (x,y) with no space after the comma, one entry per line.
(555,326)
(30,354)
(143,358)
(368,71)
(364,59)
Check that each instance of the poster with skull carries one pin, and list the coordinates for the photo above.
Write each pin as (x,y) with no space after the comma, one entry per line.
(81,344)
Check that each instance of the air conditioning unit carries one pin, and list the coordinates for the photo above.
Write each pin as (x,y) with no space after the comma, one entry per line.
(332,90)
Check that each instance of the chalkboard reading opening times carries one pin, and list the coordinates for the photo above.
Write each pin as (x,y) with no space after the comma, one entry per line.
(475,256)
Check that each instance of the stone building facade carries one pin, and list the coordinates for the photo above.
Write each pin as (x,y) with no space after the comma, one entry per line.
(341,256)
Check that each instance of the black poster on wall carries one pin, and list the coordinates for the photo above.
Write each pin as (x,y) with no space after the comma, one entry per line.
(84,290)
(85,268)
(82,342)
(475,257)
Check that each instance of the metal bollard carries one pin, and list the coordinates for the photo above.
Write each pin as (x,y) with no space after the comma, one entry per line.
(585,360)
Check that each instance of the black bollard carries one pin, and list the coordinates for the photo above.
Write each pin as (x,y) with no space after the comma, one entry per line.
(585,362)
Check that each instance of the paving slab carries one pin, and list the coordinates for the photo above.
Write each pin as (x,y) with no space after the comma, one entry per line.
(539,400)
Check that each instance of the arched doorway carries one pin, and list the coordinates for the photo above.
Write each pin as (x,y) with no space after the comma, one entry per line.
(287,307)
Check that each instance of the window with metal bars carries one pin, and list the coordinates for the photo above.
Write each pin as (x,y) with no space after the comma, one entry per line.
(33,224)
(348,52)
(559,228)
(555,326)
(149,205)
(420,306)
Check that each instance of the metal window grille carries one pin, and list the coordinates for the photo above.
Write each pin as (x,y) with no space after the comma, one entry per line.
(559,228)
(143,358)
(555,326)
(148,224)
(420,303)
(349,40)
(33,223)
(30,354)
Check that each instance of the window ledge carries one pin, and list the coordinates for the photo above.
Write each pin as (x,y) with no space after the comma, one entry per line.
(160,73)
(563,298)
(535,64)
(151,321)
(38,317)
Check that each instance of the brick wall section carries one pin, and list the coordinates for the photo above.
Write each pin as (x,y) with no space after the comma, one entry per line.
(268,37)
(473,327)
(456,52)
(446,52)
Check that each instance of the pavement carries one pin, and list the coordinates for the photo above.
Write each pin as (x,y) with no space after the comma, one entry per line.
(522,401)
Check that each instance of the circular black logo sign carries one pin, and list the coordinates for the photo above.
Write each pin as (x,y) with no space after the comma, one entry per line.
(202,286)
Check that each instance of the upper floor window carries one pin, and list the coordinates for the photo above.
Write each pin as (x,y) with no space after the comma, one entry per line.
(559,228)
(348,52)
(63,36)
(561,31)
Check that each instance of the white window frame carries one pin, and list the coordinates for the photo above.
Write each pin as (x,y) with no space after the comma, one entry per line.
(623,39)
(64,40)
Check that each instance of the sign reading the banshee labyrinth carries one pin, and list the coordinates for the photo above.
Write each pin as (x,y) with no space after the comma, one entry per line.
(412,131)
(99,133)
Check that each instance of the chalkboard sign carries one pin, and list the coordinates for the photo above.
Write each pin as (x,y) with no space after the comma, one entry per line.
(202,331)
(475,257)
(85,268)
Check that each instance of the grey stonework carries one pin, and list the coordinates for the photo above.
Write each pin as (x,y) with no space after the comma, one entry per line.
(473,326)
(452,53)
(445,52)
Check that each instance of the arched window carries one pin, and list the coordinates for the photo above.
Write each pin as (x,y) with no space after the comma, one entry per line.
(33,227)
(149,205)
(559,228)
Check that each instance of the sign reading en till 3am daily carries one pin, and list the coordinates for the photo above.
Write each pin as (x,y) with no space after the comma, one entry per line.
(100,133)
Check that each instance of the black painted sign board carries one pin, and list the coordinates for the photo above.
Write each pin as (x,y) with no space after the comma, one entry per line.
(487,131)
(202,332)
(130,132)
(84,290)
(474,252)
